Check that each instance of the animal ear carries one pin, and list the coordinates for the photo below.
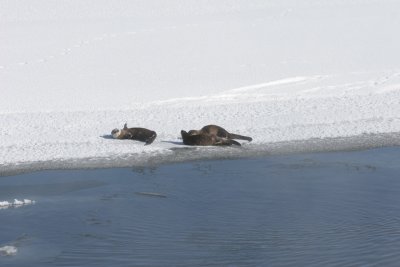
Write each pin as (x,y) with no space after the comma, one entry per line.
(125,126)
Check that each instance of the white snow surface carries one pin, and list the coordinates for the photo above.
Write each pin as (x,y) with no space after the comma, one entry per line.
(8,251)
(17,203)
(280,71)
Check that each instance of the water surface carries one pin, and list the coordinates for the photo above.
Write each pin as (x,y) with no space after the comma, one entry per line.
(320,209)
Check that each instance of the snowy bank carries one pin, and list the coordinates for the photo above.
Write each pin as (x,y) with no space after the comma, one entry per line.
(295,76)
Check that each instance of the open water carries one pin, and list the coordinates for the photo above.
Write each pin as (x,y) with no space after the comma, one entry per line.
(318,209)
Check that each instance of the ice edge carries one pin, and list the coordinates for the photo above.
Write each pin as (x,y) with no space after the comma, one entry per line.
(189,154)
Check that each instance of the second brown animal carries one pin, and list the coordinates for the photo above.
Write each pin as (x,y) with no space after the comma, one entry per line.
(211,135)
(220,132)
(204,139)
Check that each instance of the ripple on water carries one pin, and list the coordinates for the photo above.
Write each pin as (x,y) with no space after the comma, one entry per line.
(325,209)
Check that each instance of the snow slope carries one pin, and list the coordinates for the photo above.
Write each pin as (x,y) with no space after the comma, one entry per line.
(294,75)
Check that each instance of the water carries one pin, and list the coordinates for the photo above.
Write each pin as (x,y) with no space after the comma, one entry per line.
(321,209)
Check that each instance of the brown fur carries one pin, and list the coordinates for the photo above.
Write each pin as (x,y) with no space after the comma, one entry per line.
(140,134)
(204,139)
(220,132)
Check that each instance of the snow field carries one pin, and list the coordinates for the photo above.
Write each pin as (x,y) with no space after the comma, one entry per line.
(282,72)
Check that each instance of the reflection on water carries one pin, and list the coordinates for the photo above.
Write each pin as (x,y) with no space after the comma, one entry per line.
(326,209)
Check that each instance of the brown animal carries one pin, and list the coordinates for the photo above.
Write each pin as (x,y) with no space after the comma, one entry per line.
(140,134)
(220,132)
(204,139)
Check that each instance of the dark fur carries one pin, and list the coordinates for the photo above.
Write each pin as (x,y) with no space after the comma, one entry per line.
(206,140)
(140,134)
(220,132)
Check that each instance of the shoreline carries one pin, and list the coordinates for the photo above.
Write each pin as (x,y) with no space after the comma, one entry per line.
(182,154)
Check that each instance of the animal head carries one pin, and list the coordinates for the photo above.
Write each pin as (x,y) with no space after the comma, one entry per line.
(184,134)
(115,133)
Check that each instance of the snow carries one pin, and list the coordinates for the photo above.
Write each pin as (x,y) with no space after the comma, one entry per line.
(5,204)
(8,251)
(17,203)
(294,75)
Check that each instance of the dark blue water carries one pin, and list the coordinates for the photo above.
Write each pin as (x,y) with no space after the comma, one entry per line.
(326,209)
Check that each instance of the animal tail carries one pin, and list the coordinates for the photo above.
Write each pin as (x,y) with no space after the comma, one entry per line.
(241,137)
(151,139)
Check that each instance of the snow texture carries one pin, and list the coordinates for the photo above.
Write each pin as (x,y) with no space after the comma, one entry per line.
(294,75)
(8,251)
(16,203)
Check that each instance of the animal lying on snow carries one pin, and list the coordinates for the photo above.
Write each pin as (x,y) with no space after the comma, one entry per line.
(140,134)
(219,132)
(204,139)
